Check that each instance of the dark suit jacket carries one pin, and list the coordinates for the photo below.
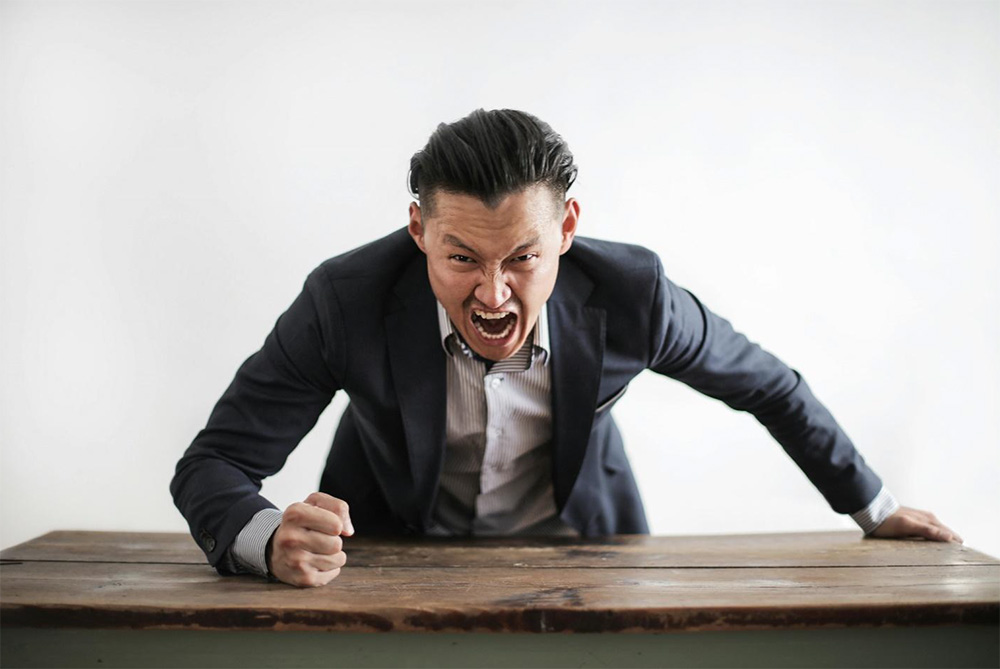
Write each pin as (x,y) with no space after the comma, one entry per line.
(366,323)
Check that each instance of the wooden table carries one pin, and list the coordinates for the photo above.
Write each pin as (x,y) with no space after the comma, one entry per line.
(810,599)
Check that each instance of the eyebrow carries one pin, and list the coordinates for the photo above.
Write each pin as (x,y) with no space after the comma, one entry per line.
(455,241)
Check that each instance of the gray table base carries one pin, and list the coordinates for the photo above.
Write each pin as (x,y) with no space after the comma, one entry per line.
(956,646)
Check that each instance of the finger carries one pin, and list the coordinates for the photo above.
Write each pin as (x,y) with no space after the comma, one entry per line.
(934,533)
(312,517)
(315,579)
(307,563)
(328,562)
(334,505)
(930,519)
(315,543)
(952,535)
(324,577)
(301,563)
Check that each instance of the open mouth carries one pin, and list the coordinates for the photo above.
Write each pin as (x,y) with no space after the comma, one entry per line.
(494,325)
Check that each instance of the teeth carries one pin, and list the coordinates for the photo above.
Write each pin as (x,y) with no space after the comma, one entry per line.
(486,315)
(501,335)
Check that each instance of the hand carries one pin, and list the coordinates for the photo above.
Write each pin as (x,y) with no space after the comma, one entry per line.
(907,522)
(306,550)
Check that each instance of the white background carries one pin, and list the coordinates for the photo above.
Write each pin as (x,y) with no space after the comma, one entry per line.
(822,174)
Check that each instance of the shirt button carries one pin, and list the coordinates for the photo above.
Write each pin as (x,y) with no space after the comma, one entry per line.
(495,383)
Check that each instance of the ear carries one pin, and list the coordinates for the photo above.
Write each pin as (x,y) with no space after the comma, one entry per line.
(416,226)
(571,216)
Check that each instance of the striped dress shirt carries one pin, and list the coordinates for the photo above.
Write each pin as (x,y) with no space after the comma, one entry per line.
(497,474)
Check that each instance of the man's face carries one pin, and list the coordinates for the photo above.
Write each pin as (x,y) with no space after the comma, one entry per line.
(493,269)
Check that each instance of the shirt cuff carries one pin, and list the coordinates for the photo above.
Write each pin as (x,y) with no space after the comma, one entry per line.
(250,546)
(873,515)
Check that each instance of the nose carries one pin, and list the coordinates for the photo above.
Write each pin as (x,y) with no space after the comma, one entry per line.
(493,290)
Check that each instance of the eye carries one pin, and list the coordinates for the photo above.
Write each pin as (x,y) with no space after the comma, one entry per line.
(526,257)
(461,258)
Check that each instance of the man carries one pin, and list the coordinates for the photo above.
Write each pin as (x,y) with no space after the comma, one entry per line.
(482,349)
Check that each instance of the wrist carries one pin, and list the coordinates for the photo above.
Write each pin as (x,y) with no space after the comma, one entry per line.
(267,559)
(267,553)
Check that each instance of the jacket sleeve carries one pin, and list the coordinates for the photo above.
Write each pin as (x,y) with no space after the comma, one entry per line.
(274,400)
(702,350)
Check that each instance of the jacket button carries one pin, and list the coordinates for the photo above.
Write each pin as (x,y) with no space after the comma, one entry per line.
(207,540)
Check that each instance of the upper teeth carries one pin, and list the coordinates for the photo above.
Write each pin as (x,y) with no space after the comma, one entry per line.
(489,315)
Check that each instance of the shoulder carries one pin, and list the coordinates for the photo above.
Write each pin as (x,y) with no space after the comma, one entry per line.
(374,266)
(374,258)
(613,266)
(622,282)
(600,257)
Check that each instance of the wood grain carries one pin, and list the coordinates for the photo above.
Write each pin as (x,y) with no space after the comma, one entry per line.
(742,550)
(624,584)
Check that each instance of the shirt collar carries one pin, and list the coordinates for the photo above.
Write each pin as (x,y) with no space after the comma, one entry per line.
(539,336)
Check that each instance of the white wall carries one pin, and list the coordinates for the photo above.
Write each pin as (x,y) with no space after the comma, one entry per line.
(822,174)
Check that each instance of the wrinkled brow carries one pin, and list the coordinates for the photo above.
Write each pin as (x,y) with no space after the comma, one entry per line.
(455,241)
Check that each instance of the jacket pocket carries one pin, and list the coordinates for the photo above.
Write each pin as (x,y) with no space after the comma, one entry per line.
(608,403)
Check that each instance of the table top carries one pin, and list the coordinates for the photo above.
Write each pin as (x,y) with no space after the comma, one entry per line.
(625,583)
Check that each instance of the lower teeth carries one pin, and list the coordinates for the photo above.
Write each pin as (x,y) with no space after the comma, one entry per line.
(501,335)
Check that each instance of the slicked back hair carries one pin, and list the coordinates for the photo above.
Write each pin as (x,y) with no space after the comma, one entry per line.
(490,155)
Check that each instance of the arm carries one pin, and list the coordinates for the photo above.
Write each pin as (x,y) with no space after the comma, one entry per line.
(274,400)
(695,346)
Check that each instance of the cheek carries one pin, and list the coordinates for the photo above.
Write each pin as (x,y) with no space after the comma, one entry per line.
(541,281)
(536,286)
(450,286)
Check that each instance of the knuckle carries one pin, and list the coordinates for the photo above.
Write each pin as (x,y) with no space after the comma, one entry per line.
(322,499)
(283,541)
(294,512)
(337,544)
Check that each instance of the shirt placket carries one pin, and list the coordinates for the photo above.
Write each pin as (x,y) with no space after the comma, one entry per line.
(494,386)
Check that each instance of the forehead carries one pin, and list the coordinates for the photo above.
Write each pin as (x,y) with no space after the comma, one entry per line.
(526,212)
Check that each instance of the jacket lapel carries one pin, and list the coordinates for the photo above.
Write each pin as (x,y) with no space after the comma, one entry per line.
(418,371)
(577,342)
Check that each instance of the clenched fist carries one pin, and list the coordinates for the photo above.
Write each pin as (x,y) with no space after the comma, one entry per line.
(306,550)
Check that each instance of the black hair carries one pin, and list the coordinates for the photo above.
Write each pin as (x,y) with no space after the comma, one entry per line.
(491,154)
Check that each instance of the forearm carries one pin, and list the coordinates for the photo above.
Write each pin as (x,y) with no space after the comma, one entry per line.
(813,439)
(217,499)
